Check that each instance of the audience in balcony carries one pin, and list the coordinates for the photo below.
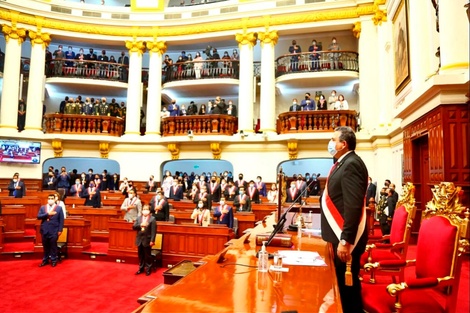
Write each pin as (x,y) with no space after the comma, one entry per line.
(21,115)
(58,64)
(164,112)
(198,65)
(173,108)
(307,104)
(202,109)
(192,109)
(332,99)
(167,67)
(231,109)
(322,105)
(69,55)
(314,56)
(334,57)
(295,50)
(341,104)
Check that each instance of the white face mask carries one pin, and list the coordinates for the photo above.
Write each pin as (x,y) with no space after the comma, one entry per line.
(15,180)
(222,202)
(332,148)
(200,205)
(145,212)
(50,202)
(131,196)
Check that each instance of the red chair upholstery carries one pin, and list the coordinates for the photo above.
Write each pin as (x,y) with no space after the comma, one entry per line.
(437,265)
(399,236)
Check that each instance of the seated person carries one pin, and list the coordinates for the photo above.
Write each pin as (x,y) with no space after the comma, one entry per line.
(201,214)
(176,191)
(159,207)
(273,194)
(242,202)
(132,206)
(224,213)
(92,195)
(59,202)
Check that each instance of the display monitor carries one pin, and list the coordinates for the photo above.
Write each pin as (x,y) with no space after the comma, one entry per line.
(20,151)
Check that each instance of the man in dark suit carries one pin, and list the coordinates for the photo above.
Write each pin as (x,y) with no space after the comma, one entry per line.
(292,194)
(159,207)
(92,196)
(295,106)
(242,202)
(371,191)
(176,191)
(50,182)
(16,187)
(343,216)
(52,223)
(146,228)
(253,192)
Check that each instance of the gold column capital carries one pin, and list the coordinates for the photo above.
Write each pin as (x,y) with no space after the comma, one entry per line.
(104,149)
(268,37)
(156,46)
(379,16)
(293,148)
(246,38)
(57,147)
(174,150)
(216,150)
(135,46)
(357,29)
(39,38)
(14,33)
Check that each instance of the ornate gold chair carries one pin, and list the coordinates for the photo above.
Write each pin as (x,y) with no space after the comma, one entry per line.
(395,245)
(443,239)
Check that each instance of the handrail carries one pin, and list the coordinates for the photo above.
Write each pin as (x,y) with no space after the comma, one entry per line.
(318,61)
(210,124)
(84,124)
(315,121)
(201,69)
(87,69)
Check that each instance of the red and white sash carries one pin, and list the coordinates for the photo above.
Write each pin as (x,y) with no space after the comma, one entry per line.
(334,218)
(213,188)
(251,191)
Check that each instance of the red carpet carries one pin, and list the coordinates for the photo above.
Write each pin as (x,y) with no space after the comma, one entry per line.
(72,286)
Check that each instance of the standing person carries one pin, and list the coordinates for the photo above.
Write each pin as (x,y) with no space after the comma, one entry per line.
(321,105)
(21,115)
(52,224)
(225,213)
(173,108)
(294,50)
(261,186)
(201,214)
(16,187)
(332,99)
(242,201)
(132,206)
(151,185)
(159,207)
(146,228)
(123,66)
(198,65)
(371,191)
(343,215)
(167,183)
(334,57)
(92,195)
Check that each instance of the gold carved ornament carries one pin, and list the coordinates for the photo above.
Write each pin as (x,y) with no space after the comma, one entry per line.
(379,17)
(135,46)
(216,150)
(57,147)
(11,32)
(104,149)
(174,150)
(246,38)
(357,29)
(39,38)
(292,147)
(268,37)
(156,47)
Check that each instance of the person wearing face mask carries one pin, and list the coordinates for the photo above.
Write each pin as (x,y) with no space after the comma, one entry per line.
(159,207)
(242,202)
(261,186)
(146,228)
(295,106)
(83,180)
(113,183)
(167,183)
(76,189)
(295,50)
(51,216)
(214,189)
(50,182)
(334,57)
(16,187)
(235,63)
(227,64)
(332,99)
(123,61)
(314,50)
(69,55)
(343,215)
(224,214)
(292,194)
(132,206)
(198,65)
(241,182)
(176,191)
(203,195)
(201,214)
(231,191)
(308,104)
(253,192)
(273,194)
(92,195)
(151,185)
(58,200)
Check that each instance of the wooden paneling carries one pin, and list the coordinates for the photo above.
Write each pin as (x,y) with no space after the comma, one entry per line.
(121,238)
(31,204)
(2,227)
(13,219)
(79,235)
(99,218)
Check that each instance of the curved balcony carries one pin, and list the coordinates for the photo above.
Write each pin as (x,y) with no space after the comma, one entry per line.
(201,70)
(84,124)
(315,121)
(87,69)
(211,124)
(317,62)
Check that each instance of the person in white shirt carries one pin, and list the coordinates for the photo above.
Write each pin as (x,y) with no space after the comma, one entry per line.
(201,214)
(273,194)
(60,203)
(132,206)
(341,104)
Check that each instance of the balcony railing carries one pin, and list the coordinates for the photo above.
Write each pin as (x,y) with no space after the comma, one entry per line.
(212,124)
(315,121)
(84,124)
(87,69)
(201,70)
(317,62)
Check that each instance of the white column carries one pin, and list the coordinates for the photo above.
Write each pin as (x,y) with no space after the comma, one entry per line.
(11,77)
(39,42)
(268,87)
(453,35)
(134,89)
(386,78)
(246,42)
(368,74)
(154,93)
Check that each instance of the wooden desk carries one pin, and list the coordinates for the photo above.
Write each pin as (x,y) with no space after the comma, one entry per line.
(13,219)
(121,238)
(182,205)
(182,216)
(302,289)
(245,221)
(31,205)
(99,218)
(79,234)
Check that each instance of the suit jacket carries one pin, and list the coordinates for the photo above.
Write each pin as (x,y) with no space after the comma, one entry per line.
(292,196)
(151,186)
(245,207)
(77,191)
(215,191)
(371,192)
(162,214)
(113,185)
(132,214)
(146,236)
(17,193)
(347,185)
(294,109)
(49,183)
(51,225)
(176,194)
(253,194)
(94,200)
(201,217)
(227,218)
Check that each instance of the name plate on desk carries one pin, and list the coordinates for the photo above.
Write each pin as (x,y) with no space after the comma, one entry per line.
(280,240)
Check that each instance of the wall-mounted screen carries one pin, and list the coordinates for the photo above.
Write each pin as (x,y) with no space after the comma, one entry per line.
(20,151)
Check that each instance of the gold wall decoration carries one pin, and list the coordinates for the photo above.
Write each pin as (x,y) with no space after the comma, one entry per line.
(293,148)
(39,38)
(216,150)
(174,150)
(268,37)
(57,147)
(156,46)
(379,17)
(357,29)
(135,46)
(104,149)
(14,33)
(246,38)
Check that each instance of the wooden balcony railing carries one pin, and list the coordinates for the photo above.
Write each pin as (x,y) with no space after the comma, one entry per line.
(315,121)
(84,124)
(212,124)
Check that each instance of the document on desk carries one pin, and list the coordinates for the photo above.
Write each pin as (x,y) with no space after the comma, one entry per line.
(306,258)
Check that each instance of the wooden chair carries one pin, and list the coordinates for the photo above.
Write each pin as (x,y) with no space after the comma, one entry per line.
(442,240)
(62,250)
(395,245)
(157,251)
